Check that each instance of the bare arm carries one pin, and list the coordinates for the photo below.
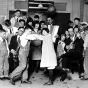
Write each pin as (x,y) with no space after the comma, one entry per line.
(31,37)
(40,37)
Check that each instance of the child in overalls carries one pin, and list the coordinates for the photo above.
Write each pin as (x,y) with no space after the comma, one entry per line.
(4,65)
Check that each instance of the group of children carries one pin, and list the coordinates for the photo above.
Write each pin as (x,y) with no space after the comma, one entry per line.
(28,31)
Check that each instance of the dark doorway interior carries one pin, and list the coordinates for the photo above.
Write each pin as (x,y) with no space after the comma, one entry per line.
(61,19)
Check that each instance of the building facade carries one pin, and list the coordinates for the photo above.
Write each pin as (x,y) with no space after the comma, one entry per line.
(76,8)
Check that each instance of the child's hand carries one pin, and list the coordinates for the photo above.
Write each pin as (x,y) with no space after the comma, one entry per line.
(56,36)
(13,51)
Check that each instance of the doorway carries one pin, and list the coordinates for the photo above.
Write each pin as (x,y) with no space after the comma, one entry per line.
(85,16)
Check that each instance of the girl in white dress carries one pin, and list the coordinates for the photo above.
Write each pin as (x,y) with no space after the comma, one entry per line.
(48,58)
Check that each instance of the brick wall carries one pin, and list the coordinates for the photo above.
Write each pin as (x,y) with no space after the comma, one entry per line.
(11,4)
(81,9)
(3,7)
(3,10)
(6,5)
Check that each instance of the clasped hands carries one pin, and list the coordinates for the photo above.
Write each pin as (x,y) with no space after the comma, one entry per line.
(13,51)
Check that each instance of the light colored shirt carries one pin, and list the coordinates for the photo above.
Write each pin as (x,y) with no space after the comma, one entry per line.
(49,27)
(1,40)
(86,42)
(60,48)
(14,30)
(25,37)
(7,46)
(13,20)
(72,38)
(54,32)
(18,37)
(62,44)
(53,29)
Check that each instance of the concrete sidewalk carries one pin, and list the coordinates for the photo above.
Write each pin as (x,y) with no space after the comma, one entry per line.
(38,79)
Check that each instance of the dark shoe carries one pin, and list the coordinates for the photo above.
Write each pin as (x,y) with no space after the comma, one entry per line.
(45,72)
(64,76)
(48,83)
(81,75)
(84,78)
(26,81)
(1,77)
(11,80)
(36,71)
(7,78)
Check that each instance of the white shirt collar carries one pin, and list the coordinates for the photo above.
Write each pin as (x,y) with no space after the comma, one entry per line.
(1,39)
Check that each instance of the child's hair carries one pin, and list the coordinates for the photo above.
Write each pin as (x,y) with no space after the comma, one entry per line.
(7,22)
(29,19)
(36,22)
(76,18)
(20,28)
(22,20)
(18,10)
(42,22)
(36,16)
(45,29)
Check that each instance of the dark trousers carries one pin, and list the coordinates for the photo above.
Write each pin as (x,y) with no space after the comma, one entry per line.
(55,47)
(13,63)
(72,55)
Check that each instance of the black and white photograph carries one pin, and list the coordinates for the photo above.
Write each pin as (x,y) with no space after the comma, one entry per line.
(43,43)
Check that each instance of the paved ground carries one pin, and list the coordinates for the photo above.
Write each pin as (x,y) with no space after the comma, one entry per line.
(38,80)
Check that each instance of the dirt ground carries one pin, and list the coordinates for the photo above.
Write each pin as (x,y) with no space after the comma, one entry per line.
(38,79)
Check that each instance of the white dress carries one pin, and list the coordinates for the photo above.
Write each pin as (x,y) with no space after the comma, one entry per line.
(48,58)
